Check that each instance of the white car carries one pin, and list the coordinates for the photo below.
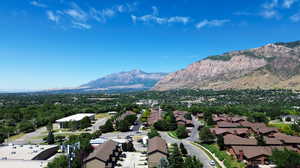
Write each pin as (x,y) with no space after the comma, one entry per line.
(212,163)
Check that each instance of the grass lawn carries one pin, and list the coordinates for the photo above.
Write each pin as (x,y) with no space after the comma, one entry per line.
(208,154)
(102,115)
(173,134)
(15,137)
(227,159)
(285,128)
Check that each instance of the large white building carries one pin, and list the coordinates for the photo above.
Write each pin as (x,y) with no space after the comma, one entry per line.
(77,117)
(26,156)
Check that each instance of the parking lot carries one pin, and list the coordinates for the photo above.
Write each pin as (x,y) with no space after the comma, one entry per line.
(133,160)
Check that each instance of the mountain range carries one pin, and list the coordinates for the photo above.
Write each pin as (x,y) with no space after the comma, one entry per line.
(135,80)
(271,66)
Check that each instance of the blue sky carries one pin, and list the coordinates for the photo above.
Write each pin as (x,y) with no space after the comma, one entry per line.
(65,43)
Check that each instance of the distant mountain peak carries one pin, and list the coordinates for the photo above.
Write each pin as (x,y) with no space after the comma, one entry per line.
(135,79)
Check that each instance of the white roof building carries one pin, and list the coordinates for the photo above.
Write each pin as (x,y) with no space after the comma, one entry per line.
(76,117)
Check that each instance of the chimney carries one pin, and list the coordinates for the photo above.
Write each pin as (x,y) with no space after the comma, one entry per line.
(241,155)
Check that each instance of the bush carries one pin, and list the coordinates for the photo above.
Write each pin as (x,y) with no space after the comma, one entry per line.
(59,162)
(181,132)
(153,133)
(123,125)
(107,127)
(182,149)
(161,125)
(85,122)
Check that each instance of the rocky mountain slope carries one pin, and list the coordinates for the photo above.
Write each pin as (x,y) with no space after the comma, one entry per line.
(135,79)
(271,66)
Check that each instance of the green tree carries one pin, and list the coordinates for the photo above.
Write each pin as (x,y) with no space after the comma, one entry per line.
(182,149)
(73,125)
(163,163)
(50,138)
(192,162)
(285,158)
(176,158)
(49,126)
(85,122)
(181,132)
(131,119)
(107,127)
(161,125)
(206,136)
(220,142)
(59,162)
(123,125)
(26,126)
(153,133)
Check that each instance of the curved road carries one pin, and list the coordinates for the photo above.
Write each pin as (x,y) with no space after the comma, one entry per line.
(192,150)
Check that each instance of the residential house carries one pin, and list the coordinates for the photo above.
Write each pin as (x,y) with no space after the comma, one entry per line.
(233,140)
(226,124)
(254,155)
(242,132)
(157,149)
(181,120)
(155,116)
(105,155)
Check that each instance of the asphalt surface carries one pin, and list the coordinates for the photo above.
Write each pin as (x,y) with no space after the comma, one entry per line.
(98,123)
(195,133)
(192,150)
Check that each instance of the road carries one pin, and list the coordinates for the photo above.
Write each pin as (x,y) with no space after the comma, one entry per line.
(192,150)
(195,133)
(28,138)
(98,123)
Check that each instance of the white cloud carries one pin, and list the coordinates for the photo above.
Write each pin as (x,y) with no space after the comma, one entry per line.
(38,4)
(270,14)
(79,25)
(288,3)
(53,16)
(76,13)
(102,15)
(295,18)
(211,23)
(179,19)
(270,4)
(154,18)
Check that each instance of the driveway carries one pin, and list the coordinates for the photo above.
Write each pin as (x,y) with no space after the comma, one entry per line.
(192,150)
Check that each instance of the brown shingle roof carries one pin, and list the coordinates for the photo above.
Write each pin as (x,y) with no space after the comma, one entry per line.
(255,151)
(103,151)
(287,139)
(155,116)
(157,144)
(236,140)
(225,124)
(238,131)
(272,141)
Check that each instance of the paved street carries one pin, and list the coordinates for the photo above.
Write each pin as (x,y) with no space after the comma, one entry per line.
(98,123)
(28,138)
(195,133)
(192,150)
